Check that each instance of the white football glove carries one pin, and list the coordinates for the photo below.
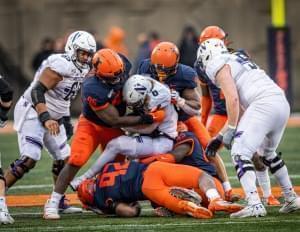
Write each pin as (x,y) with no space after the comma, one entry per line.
(176,99)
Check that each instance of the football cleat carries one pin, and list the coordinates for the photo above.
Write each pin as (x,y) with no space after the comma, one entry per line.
(257,210)
(194,210)
(5,217)
(51,210)
(270,201)
(290,205)
(219,204)
(186,194)
(232,197)
(67,209)
(163,212)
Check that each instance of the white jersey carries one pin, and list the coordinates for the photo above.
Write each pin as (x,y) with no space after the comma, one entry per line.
(158,98)
(252,83)
(59,98)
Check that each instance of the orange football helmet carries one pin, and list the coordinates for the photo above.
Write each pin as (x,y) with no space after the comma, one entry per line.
(213,32)
(108,65)
(164,59)
(86,191)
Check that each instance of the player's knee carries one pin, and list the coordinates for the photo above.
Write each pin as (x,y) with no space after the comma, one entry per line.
(258,163)
(21,166)
(274,162)
(242,164)
(57,166)
(77,160)
(115,145)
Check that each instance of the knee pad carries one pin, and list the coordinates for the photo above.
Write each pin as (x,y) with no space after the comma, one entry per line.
(242,165)
(274,164)
(57,166)
(21,166)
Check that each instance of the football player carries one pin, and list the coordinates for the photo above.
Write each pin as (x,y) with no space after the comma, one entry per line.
(102,116)
(6,96)
(213,94)
(181,79)
(38,115)
(262,124)
(116,189)
(142,95)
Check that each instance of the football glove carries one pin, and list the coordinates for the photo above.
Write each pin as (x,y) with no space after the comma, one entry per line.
(228,137)
(214,145)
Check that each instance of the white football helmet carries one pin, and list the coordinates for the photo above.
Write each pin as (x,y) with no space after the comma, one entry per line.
(135,91)
(80,40)
(209,49)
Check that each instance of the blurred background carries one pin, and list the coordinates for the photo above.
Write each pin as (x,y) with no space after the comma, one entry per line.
(30,30)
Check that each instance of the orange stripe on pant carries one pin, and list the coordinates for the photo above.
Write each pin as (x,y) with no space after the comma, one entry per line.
(87,138)
(159,177)
(216,123)
(195,125)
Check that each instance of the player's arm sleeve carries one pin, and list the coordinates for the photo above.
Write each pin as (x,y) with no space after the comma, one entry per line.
(214,66)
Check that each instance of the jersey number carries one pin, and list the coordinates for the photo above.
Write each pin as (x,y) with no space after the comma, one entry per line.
(72,92)
(245,61)
(108,178)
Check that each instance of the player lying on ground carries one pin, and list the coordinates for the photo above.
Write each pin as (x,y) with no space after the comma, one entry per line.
(119,185)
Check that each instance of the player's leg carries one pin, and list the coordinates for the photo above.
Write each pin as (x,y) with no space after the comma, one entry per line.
(175,175)
(195,125)
(133,147)
(276,165)
(30,141)
(5,217)
(263,179)
(156,190)
(216,124)
(59,150)
(84,143)
(254,125)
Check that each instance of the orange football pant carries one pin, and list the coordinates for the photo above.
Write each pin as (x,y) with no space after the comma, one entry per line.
(160,177)
(216,123)
(87,138)
(195,125)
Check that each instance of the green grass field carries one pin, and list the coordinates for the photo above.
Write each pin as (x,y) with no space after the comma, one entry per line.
(39,180)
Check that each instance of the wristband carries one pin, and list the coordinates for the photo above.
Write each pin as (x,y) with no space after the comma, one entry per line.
(232,127)
(43,117)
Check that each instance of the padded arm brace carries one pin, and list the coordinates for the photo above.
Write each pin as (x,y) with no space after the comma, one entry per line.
(38,93)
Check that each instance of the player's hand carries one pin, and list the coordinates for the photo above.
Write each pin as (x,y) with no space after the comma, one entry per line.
(147,119)
(158,115)
(52,126)
(214,145)
(228,137)
(176,99)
